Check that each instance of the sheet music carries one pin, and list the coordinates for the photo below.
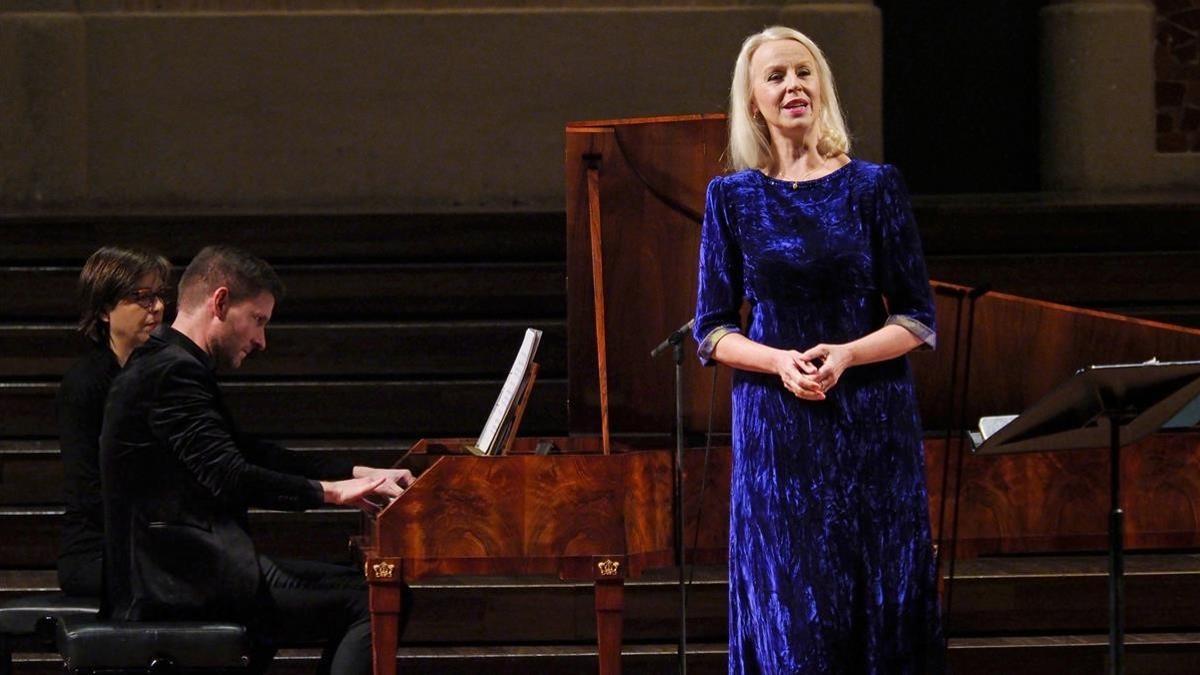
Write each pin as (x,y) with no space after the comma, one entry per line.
(502,409)
(988,426)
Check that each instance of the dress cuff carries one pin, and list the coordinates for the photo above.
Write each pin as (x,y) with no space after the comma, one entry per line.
(926,334)
(709,343)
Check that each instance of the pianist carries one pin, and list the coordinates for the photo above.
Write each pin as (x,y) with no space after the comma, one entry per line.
(178,479)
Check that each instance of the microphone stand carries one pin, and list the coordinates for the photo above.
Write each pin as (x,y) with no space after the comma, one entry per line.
(972,298)
(675,341)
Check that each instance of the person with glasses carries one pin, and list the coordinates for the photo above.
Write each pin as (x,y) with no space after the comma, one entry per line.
(122,295)
(179,480)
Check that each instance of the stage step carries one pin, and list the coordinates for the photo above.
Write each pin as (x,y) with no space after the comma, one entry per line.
(649,659)
(1042,594)
(1145,654)
(348,237)
(275,409)
(343,292)
(1039,222)
(450,349)
(31,471)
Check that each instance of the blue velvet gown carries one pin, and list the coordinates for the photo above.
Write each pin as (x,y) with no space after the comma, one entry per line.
(831,566)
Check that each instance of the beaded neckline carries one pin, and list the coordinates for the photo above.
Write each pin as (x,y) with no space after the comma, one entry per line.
(797,184)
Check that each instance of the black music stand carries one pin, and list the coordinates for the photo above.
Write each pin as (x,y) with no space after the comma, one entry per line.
(1118,404)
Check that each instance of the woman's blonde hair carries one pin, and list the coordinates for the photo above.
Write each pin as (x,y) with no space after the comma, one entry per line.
(749,141)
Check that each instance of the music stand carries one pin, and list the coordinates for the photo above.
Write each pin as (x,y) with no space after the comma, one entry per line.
(1118,403)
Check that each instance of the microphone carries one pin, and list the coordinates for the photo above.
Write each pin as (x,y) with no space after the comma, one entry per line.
(673,339)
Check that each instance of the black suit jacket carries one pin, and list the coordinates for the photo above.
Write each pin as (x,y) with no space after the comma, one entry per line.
(177,480)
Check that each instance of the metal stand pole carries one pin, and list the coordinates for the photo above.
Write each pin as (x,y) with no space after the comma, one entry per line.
(1116,561)
(679,506)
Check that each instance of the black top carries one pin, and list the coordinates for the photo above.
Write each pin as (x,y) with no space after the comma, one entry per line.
(80,414)
(178,481)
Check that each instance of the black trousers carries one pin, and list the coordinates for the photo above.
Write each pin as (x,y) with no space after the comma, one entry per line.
(81,574)
(302,601)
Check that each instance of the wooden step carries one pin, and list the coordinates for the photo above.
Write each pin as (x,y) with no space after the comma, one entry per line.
(451,349)
(1056,223)
(32,534)
(396,409)
(31,471)
(1097,280)
(648,659)
(278,238)
(516,610)
(375,292)
(1146,654)
(1034,594)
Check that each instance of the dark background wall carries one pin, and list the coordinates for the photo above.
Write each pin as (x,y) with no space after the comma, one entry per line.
(960,95)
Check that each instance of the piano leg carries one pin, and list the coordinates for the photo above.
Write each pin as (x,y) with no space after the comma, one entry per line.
(385,627)
(610,608)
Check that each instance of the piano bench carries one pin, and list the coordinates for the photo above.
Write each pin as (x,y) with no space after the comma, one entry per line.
(27,622)
(155,647)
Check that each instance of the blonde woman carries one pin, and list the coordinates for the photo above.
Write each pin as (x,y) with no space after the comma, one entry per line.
(831,568)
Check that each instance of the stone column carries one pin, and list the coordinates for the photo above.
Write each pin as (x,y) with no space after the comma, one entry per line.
(43,121)
(1097,104)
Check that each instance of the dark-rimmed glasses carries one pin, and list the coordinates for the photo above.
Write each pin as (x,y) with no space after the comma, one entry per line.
(147,298)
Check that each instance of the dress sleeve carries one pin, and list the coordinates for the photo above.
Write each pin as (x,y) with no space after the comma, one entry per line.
(719,298)
(185,417)
(900,265)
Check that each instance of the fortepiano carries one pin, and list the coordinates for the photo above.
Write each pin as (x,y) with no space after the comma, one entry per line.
(579,514)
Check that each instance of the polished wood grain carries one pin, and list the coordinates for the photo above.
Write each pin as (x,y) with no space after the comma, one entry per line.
(1058,502)
(1022,348)
(652,176)
(579,514)
(524,514)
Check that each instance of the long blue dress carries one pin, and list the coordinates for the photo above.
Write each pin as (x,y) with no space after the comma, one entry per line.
(830,562)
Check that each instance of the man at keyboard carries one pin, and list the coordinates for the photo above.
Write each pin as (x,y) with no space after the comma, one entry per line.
(178,479)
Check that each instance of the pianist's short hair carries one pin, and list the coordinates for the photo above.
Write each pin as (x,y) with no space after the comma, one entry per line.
(749,141)
(110,274)
(244,274)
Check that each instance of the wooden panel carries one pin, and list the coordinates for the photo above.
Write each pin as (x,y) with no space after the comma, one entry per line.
(378,292)
(1047,502)
(336,237)
(1022,348)
(443,349)
(525,514)
(653,174)
(314,409)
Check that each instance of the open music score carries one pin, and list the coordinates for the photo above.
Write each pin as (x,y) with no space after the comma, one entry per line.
(509,407)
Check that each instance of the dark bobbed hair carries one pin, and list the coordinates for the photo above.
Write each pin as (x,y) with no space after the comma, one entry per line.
(244,274)
(110,274)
